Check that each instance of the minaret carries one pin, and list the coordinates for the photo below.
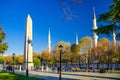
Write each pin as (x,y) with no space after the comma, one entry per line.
(49,41)
(95,37)
(114,40)
(28,53)
(76,39)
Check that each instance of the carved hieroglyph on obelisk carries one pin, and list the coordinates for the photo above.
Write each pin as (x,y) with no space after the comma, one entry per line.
(28,44)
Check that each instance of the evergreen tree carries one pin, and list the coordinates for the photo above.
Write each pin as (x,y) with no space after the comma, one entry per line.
(3,45)
(111,20)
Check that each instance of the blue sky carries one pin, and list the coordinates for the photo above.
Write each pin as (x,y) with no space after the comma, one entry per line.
(45,14)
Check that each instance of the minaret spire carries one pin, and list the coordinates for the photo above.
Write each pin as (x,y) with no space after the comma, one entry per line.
(49,41)
(94,12)
(94,19)
(95,37)
(114,39)
(76,39)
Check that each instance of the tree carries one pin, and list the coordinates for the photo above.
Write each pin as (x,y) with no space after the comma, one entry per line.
(56,56)
(36,62)
(8,59)
(20,59)
(46,56)
(35,55)
(3,45)
(85,48)
(85,44)
(111,20)
(105,43)
(15,60)
(75,49)
(96,54)
(66,56)
(117,56)
(100,53)
(105,52)
(66,45)
(66,53)
(2,60)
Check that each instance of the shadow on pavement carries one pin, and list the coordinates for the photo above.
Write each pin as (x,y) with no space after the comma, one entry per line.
(45,77)
(57,78)
(51,78)
(93,76)
(86,75)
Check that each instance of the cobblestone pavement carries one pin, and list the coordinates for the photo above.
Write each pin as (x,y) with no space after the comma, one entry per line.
(73,75)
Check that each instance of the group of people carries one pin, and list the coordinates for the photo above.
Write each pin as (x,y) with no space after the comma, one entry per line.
(66,68)
(87,69)
(76,69)
(73,69)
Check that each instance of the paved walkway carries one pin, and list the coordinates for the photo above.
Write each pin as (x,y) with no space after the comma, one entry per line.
(73,75)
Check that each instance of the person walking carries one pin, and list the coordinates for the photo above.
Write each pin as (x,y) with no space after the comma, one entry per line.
(58,69)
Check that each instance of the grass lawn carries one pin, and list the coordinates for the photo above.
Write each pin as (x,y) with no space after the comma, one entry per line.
(11,76)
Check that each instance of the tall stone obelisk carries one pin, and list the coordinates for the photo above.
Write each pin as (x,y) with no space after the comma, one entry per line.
(95,37)
(28,53)
(49,41)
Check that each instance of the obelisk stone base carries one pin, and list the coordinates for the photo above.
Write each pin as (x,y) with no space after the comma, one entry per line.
(30,66)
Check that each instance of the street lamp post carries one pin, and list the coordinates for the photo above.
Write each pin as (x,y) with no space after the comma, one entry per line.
(60,48)
(13,62)
(29,42)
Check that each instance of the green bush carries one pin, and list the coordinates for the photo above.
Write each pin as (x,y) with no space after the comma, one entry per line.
(36,62)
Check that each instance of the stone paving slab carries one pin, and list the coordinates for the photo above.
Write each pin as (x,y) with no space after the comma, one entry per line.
(73,75)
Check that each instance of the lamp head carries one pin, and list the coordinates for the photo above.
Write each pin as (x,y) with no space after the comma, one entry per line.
(60,47)
(29,41)
(13,54)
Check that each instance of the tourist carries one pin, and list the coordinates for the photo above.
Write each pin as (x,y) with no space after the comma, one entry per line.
(58,69)
(93,69)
